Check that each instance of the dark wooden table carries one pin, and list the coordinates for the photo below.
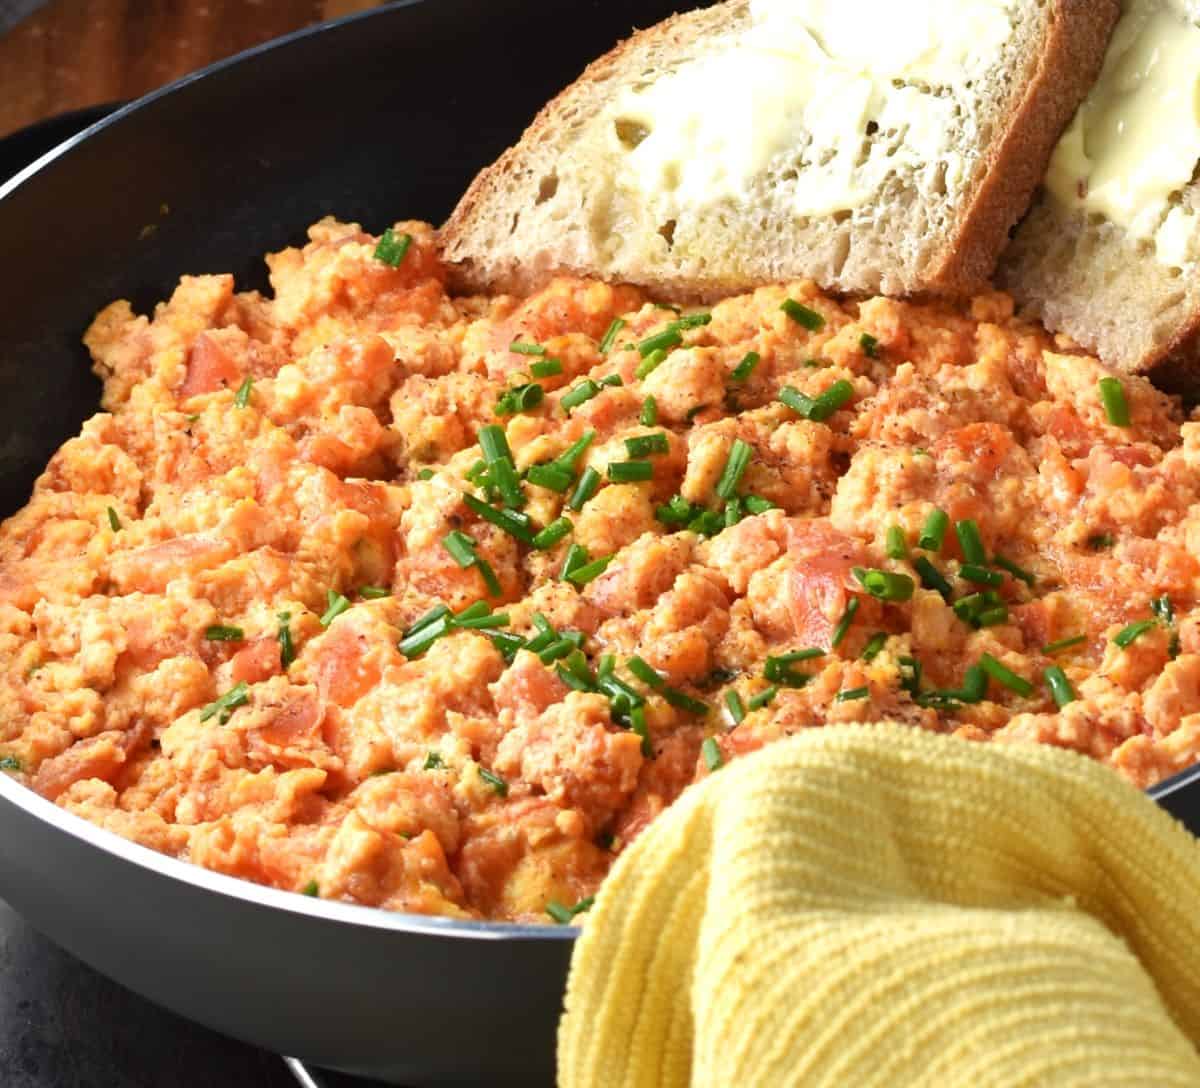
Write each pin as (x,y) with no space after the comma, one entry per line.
(61,1024)
(73,53)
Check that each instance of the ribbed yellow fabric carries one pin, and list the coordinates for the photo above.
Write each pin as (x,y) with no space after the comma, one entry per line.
(874,905)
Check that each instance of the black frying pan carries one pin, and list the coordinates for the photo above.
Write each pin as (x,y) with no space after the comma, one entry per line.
(378,117)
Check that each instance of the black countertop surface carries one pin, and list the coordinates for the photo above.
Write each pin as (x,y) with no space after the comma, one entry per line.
(64,1026)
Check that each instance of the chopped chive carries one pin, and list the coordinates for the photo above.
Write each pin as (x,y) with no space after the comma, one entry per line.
(114,522)
(373,593)
(336,604)
(837,396)
(933,534)
(790,658)
(489,577)
(579,394)
(520,398)
(287,648)
(763,698)
(661,341)
(10,763)
(565,915)
(589,481)
(971,542)
(735,706)
(242,397)
(778,670)
(802,315)
(884,585)
(416,642)
(425,474)
(433,762)
(895,546)
(820,407)
(650,364)
(991,617)
(494,780)
(735,468)
(1116,407)
(910,674)
(494,444)
(558,648)
(692,321)
(472,612)
(580,576)
(843,625)
(619,692)
(1013,569)
(220,632)
(733,511)
(312,889)
(869,345)
(483,623)
(611,380)
(1060,687)
(746,367)
(461,548)
(225,705)
(524,347)
(546,368)
(1064,644)
(1163,609)
(711,751)
(552,534)
(424,620)
(974,685)
(649,413)
(756,504)
(645,672)
(707,523)
(626,471)
(392,248)
(576,557)
(551,476)
(507,520)
(678,511)
(606,665)
(874,645)
(851,695)
(577,665)
(637,724)
(606,342)
(1005,676)
(1132,633)
(931,577)
(643,445)
(572,680)
(798,402)
(507,642)
(980,575)
(683,701)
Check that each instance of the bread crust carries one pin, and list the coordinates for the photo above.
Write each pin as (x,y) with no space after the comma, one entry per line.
(1040,108)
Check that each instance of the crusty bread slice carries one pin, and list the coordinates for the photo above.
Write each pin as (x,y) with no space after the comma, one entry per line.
(1106,287)
(559,201)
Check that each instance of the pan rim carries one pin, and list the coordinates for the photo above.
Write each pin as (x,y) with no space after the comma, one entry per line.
(26,799)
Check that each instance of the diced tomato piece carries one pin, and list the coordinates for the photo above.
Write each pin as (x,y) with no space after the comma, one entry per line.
(257,661)
(209,368)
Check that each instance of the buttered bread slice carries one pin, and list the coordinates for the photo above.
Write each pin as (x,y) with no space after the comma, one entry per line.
(1110,253)
(872,145)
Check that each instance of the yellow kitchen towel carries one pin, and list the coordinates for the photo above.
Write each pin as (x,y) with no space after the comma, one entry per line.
(875,905)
